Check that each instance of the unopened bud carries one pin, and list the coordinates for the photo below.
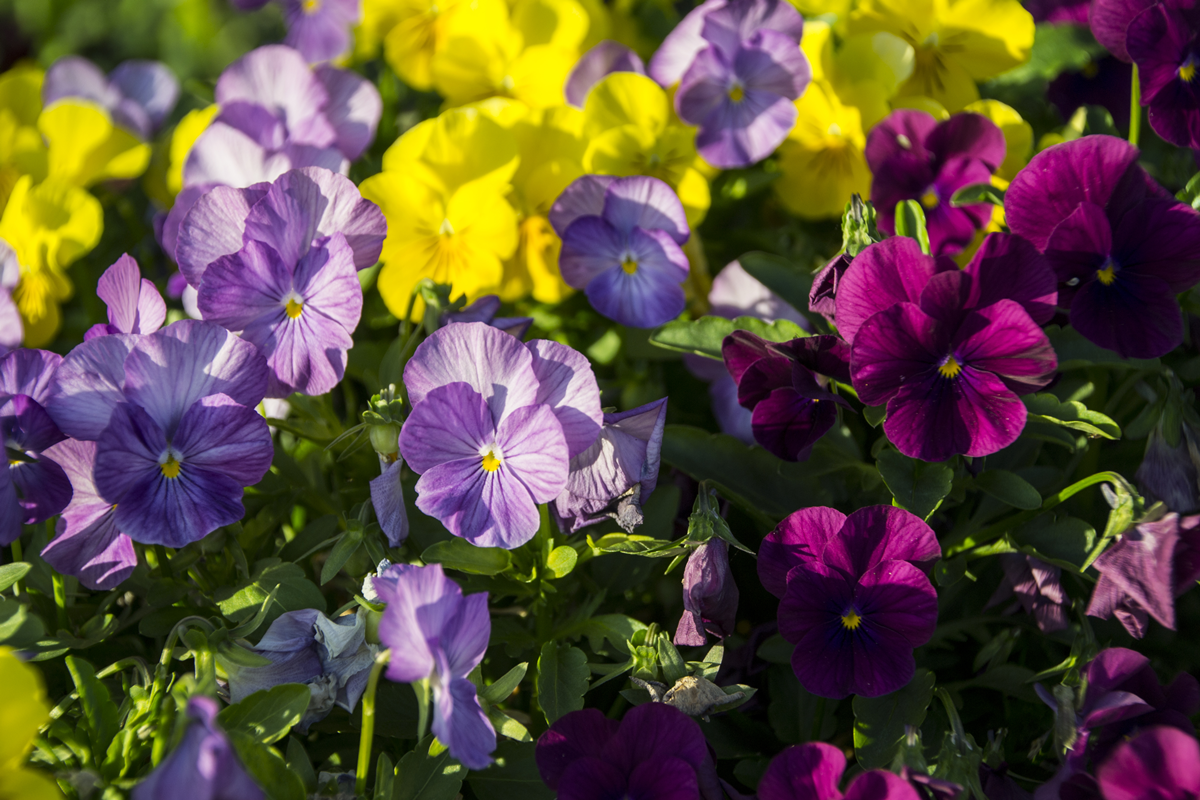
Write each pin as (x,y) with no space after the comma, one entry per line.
(385,439)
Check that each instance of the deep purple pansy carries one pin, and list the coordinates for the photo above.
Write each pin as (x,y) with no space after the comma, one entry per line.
(139,95)
(1162,763)
(813,771)
(1164,43)
(655,753)
(914,157)
(1122,248)
(710,595)
(1141,575)
(204,765)
(134,304)
(614,477)
(1109,21)
(622,245)
(605,58)
(437,634)
(33,487)
(855,598)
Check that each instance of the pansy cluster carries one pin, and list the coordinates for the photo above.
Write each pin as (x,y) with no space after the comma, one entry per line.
(429,399)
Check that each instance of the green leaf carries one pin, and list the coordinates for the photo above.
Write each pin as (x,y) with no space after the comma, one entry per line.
(977,193)
(875,415)
(11,573)
(268,715)
(268,769)
(562,679)
(669,660)
(499,691)
(19,628)
(295,591)
(879,721)
(346,547)
(1056,49)
(99,710)
(779,275)
(561,561)
(616,629)
(234,654)
(1072,414)
(910,222)
(514,775)
(704,336)
(948,573)
(1075,352)
(918,486)
(463,556)
(1009,488)
(1190,194)
(634,544)
(299,763)
(1065,542)
(421,776)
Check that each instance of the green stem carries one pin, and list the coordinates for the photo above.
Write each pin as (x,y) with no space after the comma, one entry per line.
(421,688)
(16,553)
(368,724)
(60,599)
(1135,107)
(818,721)
(164,561)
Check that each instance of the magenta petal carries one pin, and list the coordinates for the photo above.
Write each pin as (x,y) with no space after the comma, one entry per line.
(573,736)
(1109,20)
(788,424)
(669,779)
(740,350)
(888,272)
(1079,246)
(1009,267)
(804,772)
(567,384)
(887,139)
(895,348)
(653,732)
(876,534)
(590,778)
(799,539)
(968,135)
(1140,565)
(1161,238)
(1003,340)
(1103,314)
(1160,762)
(876,784)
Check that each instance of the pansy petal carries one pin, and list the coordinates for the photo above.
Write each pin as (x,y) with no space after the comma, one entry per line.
(810,771)
(1103,314)
(584,197)
(387,496)
(535,451)
(354,109)
(452,422)
(462,725)
(568,386)
(647,203)
(575,735)
(222,436)
(88,385)
(875,534)
(213,228)
(591,246)
(799,539)
(883,274)
(1009,267)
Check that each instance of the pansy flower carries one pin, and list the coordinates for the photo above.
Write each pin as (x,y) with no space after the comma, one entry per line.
(1121,247)
(915,157)
(138,95)
(812,771)
(1159,762)
(855,599)
(622,244)
(604,58)
(1164,43)
(134,304)
(318,29)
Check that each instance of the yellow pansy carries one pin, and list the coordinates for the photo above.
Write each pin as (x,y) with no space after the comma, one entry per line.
(417,30)
(822,160)
(183,137)
(49,225)
(956,42)
(560,23)
(918,103)
(629,128)
(1018,135)
(864,70)
(459,238)
(22,151)
(23,711)
(459,146)
(85,147)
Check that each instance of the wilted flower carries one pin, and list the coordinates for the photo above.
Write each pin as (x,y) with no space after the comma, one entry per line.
(204,766)
(331,656)
(33,487)
(138,95)
(1037,586)
(1159,762)
(134,304)
(1143,573)
(813,771)
(710,595)
(656,751)
(437,634)
(855,599)
(173,417)
(614,477)
(622,242)
(1121,247)
(1169,473)
(915,157)
(604,58)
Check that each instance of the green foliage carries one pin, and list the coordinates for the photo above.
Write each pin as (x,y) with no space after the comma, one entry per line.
(916,486)
(703,337)
(269,714)
(562,679)
(880,722)
(421,775)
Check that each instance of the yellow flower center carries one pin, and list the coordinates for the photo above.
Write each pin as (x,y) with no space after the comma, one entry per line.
(929,199)
(1108,274)
(851,620)
(170,467)
(950,369)
(490,462)
(629,265)
(312,6)
(736,94)
(294,309)
(1187,72)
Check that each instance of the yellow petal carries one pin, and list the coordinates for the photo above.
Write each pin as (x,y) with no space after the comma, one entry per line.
(184,136)
(822,160)
(22,712)
(21,92)
(624,98)
(50,224)
(940,78)
(458,146)
(28,784)
(539,75)
(562,23)
(85,147)
(1018,134)
(987,36)
(541,246)
(927,104)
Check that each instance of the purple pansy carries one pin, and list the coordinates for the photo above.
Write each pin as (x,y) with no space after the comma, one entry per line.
(173,417)
(605,58)
(134,304)
(740,94)
(87,541)
(204,765)
(1109,21)
(139,95)
(331,656)
(622,242)
(33,487)
(1164,43)
(614,477)
(655,753)
(1037,587)
(914,157)
(1160,763)
(790,403)
(484,310)
(1060,12)
(855,599)
(437,634)
(1121,247)
(822,296)
(319,29)
(813,771)
(710,595)
(694,34)
(1141,575)
(387,497)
